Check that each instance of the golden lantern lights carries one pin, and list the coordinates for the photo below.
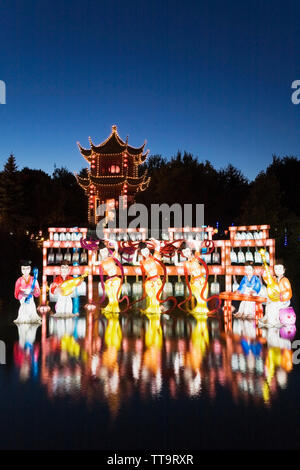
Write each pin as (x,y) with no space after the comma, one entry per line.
(125,160)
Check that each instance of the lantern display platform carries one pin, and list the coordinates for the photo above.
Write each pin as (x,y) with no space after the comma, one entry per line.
(247,239)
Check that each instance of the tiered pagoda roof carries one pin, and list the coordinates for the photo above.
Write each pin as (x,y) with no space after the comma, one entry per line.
(113,151)
(114,145)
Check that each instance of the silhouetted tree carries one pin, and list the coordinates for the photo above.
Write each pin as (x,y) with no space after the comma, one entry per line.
(11,197)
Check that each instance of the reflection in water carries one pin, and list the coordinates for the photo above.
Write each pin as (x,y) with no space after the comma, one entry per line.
(110,357)
(26,351)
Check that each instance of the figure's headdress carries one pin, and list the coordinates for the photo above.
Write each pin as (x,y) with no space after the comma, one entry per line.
(26,262)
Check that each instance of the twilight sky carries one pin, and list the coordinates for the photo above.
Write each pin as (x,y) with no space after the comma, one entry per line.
(210,77)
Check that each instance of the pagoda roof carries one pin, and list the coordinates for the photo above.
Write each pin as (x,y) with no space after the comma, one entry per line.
(113,145)
(141,182)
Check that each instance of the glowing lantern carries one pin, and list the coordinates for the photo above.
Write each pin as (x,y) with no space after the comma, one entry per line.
(126,287)
(287,316)
(215,286)
(137,287)
(179,287)
(168,288)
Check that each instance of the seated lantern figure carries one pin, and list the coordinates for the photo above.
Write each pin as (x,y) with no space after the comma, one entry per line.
(279,293)
(64,305)
(250,285)
(25,288)
(153,283)
(193,268)
(113,282)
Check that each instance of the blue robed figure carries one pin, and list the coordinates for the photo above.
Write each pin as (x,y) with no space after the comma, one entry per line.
(253,284)
(250,285)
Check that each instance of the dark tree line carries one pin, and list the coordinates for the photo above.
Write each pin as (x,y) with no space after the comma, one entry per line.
(32,200)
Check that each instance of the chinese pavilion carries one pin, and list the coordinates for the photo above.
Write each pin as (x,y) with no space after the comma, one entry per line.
(113,171)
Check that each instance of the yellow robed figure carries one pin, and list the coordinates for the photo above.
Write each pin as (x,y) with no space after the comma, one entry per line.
(197,280)
(153,281)
(197,283)
(113,283)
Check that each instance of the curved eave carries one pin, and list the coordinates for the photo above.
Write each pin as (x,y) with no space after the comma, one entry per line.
(117,180)
(86,153)
(83,182)
(107,180)
(143,158)
(144,185)
(136,151)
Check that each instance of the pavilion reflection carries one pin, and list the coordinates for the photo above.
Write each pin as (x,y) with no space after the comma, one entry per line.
(109,358)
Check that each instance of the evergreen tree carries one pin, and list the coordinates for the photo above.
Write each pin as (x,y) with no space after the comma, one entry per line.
(11,197)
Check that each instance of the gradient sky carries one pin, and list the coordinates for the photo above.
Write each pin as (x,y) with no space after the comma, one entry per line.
(210,77)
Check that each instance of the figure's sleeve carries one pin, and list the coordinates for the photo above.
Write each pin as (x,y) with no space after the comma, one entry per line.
(285,290)
(264,276)
(55,284)
(242,285)
(37,290)
(18,294)
(256,284)
(157,255)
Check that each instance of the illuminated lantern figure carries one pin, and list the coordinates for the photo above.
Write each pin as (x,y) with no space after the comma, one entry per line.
(113,283)
(63,306)
(25,288)
(250,285)
(153,283)
(279,293)
(194,269)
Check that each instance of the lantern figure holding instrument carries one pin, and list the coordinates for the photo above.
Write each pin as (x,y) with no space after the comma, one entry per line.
(63,287)
(279,292)
(25,288)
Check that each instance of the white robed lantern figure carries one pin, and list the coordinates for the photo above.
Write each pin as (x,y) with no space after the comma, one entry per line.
(64,304)
(26,288)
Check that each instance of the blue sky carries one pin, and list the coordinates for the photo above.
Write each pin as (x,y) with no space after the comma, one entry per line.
(210,77)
